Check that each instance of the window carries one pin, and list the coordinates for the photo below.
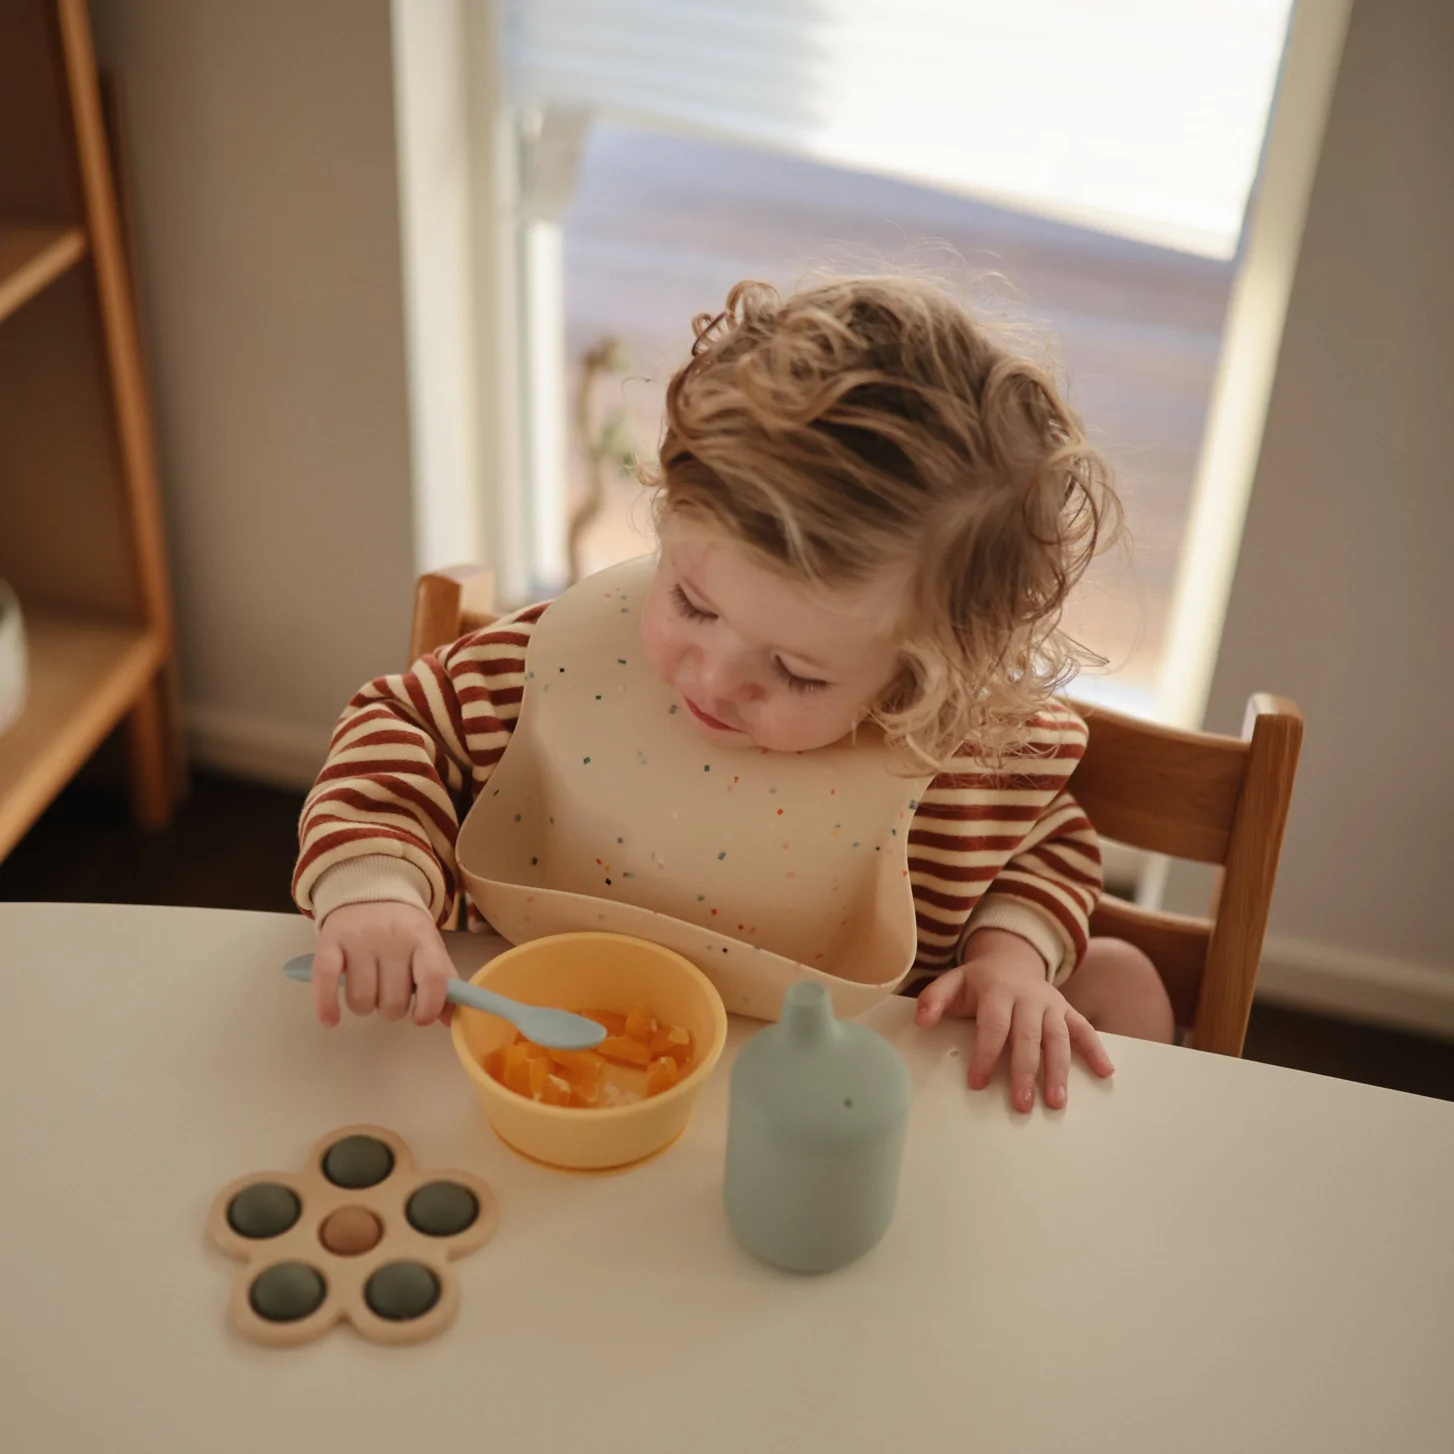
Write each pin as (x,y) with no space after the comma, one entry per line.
(1132,116)
(1100,157)
(662,226)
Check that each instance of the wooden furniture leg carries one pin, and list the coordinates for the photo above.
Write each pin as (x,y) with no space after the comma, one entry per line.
(113,107)
(149,744)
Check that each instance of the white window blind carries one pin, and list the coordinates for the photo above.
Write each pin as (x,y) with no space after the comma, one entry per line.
(1142,118)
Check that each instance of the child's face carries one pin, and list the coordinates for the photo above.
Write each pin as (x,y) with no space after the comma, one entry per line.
(756,657)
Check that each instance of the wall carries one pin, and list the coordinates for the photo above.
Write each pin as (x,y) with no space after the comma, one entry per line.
(266,189)
(437,170)
(1344,591)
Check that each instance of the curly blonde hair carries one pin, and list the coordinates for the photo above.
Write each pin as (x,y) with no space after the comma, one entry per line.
(872,422)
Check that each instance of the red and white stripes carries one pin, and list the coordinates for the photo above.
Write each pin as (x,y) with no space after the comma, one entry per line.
(1001,846)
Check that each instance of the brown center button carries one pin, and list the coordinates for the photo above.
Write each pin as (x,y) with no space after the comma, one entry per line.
(350,1231)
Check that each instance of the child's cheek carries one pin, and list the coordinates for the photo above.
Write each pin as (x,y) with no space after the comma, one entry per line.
(656,637)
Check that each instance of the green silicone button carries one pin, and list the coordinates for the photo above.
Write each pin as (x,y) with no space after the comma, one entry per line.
(287,1291)
(358,1161)
(442,1209)
(402,1290)
(264,1209)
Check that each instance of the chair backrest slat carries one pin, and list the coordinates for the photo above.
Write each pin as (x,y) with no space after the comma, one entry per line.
(1159,789)
(444,602)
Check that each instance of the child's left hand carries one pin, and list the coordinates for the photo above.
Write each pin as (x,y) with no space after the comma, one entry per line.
(1002,986)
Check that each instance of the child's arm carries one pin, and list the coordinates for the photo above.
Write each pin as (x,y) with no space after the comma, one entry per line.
(376,866)
(1048,890)
(1029,930)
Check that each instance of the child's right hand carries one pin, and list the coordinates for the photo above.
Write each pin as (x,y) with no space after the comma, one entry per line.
(386,953)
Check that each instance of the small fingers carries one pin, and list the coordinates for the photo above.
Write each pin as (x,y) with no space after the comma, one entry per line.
(940,997)
(327,969)
(396,985)
(1055,1056)
(433,970)
(361,984)
(1088,1043)
(992,1026)
(1025,1031)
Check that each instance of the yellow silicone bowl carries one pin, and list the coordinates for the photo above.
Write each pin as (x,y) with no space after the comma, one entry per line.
(592,971)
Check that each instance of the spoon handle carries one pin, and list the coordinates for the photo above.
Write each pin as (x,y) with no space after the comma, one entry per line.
(462,992)
(554,1029)
(459,991)
(300,969)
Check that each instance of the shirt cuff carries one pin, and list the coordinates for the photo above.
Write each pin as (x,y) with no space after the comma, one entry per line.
(1015,917)
(373,879)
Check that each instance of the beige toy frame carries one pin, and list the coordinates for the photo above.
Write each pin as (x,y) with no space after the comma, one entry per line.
(345,1276)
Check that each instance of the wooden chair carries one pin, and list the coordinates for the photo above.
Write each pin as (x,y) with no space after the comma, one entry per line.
(1192,795)
(448,604)
(1211,799)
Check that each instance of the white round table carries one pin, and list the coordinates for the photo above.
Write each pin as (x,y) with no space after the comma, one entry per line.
(1205,1254)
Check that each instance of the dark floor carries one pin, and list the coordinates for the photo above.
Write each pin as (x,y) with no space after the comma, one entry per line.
(232,847)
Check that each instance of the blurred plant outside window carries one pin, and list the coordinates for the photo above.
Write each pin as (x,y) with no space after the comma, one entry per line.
(1085,169)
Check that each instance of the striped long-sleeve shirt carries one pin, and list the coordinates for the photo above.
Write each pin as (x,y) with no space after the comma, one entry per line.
(1002,847)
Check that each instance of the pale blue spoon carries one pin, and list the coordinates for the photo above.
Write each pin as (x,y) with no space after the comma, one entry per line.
(554,1029)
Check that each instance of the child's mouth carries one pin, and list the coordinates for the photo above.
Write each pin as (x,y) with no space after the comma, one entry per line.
(707,719)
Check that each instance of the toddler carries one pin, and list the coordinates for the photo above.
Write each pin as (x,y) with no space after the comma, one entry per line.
(870,516)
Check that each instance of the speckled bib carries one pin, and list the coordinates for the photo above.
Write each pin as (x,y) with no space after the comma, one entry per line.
(610,810)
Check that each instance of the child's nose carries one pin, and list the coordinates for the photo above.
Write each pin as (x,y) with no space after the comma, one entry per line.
(729,680)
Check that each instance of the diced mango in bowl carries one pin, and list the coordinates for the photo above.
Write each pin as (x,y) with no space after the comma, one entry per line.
(625,1051)
(580,1067)
(661,1075)
(640,1024)
(640,1057)
(673,1042)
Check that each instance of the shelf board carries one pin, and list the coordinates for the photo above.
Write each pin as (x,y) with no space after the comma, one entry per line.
(33,256)
(84,676)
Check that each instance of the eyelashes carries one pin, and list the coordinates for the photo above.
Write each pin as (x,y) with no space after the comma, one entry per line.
(794,683)
(684,605)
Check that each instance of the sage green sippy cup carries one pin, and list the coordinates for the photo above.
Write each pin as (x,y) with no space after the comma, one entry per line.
(819,1108)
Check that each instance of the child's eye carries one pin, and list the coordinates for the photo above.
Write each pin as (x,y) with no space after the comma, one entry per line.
(684,605)
(794,682)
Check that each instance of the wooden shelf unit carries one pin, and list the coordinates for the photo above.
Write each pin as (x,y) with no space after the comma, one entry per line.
(31,257)
(80,518)
(84,676)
